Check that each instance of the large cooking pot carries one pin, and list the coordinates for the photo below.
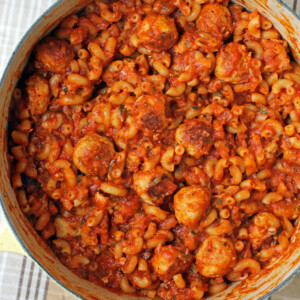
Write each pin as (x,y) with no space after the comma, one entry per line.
(24,238)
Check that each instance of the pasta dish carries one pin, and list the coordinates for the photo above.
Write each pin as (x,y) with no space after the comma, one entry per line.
(155,145)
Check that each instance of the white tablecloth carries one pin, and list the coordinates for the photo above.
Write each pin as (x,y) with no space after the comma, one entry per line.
(21,278)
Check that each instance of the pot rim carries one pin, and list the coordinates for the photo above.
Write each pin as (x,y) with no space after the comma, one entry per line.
(6,215)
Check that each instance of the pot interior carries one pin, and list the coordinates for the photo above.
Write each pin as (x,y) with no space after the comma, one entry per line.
(270,279)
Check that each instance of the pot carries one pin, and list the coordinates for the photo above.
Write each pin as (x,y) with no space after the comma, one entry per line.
(19,236)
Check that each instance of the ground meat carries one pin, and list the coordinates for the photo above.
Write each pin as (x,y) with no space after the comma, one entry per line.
(164,188)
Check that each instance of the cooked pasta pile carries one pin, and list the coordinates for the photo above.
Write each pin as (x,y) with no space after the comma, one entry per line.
(155,145)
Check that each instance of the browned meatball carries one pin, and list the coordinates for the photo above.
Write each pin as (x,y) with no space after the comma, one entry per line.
(216,20)
(157,32)
(190,204)
(216,256)
(235,65)
(196,137)
(264,226)
(53,55)
(149,112)
(93,154)
(38,91)
(168,261)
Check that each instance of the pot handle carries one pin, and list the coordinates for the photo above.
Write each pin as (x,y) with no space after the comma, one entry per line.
(8,240)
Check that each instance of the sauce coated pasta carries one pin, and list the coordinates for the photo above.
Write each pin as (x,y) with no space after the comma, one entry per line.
(155,145)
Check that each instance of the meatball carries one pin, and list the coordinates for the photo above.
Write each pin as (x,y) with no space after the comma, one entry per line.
(38,91)
(53,55)
(167,261)
(235,65)
(149,112)
(233,62)
(264,226)
(157,33)
(275,57)
(216,20)
(153,186)
(190,204)
(216,256)
(196,137)
(93,154)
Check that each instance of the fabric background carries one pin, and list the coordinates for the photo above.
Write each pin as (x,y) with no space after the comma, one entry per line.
(20,277)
